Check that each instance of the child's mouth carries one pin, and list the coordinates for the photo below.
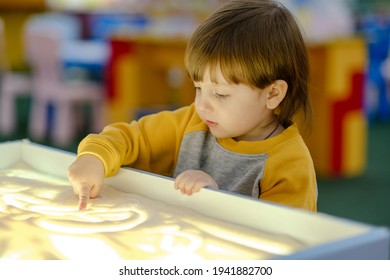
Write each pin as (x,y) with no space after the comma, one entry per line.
(211,124)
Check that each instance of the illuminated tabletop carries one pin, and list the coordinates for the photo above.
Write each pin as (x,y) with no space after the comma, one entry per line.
(140,216)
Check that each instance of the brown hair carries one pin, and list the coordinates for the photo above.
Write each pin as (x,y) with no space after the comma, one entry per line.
(254,42)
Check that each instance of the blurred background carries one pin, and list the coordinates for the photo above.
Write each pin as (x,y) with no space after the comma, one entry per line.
(69,67)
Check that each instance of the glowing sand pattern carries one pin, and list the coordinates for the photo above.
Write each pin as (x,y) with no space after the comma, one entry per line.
(39,219)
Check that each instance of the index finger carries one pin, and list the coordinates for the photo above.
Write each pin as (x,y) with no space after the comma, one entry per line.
(84,195)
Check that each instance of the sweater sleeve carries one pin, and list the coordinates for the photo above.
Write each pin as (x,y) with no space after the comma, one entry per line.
(150,144)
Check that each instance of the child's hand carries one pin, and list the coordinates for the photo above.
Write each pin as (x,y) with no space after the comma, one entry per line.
(191,181)
(86,174)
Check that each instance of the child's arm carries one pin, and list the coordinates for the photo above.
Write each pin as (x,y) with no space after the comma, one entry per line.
(150,144)
(86,175)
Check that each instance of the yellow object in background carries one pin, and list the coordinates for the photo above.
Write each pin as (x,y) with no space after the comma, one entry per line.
(146,73)
(338,142)
(15,13)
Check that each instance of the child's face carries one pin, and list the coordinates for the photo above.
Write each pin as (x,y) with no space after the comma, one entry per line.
(231,110)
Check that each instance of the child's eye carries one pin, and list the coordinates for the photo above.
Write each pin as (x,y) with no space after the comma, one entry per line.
(220,96)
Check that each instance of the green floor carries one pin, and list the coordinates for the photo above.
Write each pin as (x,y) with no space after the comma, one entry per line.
(365,199)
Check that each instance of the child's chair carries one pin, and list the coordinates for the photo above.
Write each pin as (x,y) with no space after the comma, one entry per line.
(12,85)
(43,51)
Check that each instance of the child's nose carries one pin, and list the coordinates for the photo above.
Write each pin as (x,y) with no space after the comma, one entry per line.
(203,102)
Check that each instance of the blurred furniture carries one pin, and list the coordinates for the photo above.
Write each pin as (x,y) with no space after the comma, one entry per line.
(338,141)
(376,31)
(50,87)
(85,59)
(12,86)
(144,75)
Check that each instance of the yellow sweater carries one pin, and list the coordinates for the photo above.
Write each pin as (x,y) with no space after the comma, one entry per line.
(278,169)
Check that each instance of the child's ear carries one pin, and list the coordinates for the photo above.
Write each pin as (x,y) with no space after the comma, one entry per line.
(276,93)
